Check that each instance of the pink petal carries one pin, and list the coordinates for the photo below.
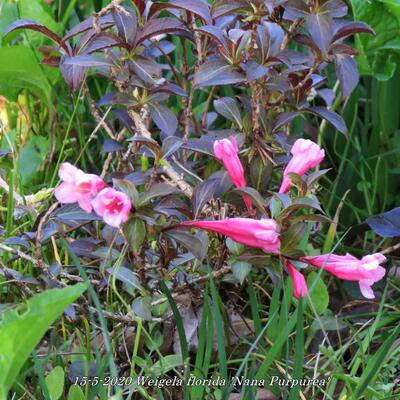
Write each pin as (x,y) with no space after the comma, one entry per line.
(66,193)
(68,172)
(366,290)
(86,204)
(98,206)
(113,219)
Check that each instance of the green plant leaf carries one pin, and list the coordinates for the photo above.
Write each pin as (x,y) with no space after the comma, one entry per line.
(20,332)
(320,295)
(20,69)
(55,383)
(75,393)
(240,270)
(135,232)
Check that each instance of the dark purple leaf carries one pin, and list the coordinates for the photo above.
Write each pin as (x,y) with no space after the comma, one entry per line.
(335,119)
(347,72)
(164,118)
(386,224)
(217,72)
(157,190)
(101,41)
(283,119)
(126,23)
(160,26)
(328,95)
(215,33)
(73,74)
(87,61)
(336,8)
(254,70)
(297,8)
(140,5)
(146,69)
(171,88)
(170,145)
(347,28)
(126,276)
(72,212)
(197,7)
(320,27)
(228,108)
(116,99)
(223,7)
(340,48)
(191,242)
(204,192)
(124,117)
(32,25)
(270,37)
(104,22)
(111,145)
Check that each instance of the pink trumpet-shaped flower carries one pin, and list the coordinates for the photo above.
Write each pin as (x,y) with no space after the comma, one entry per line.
(299,283)
(263,234)
(113,206)
(77,186)
(227,150)
(366,271)
(306,155)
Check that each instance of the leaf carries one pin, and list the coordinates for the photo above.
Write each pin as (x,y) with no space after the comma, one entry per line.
(215,33)
(335,8)
(193,243)
(88,61)
(166,364)
(319,295)
(222,7)
(347,28)
(217,72)
(128,188)
(126,23)
(29,24)
(203,193)
(197,7)
(75,393)
(228,108)
(254,195)
(347,72)
(386,224)
(147,69)
(320,27)
(141,306)
(135,233)
(160,26)
(101,41)
(335,119)
(32,156)
(19,69)
(376,58)
(126,276)
(55,383)
(283,119)
(164,118)
(292,237)
(73,74)
(240,270)
(157,190)
(72,212)
(112,145)
(104,22)
(20,332)
(270,37)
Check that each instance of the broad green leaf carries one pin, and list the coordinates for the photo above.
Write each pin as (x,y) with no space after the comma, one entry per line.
(320,295)
(32,156)
(166,364)
(20,332)
(378,52)
(20,69)
(75,393)
(55,383)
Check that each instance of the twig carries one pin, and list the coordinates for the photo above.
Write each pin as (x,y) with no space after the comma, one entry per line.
(17,282)
(391,249)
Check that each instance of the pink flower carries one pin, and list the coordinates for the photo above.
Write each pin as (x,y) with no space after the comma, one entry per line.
(366,271)
(113,206)
(263,234)
(306,155)
(77,186)
(227,150)
(299,283)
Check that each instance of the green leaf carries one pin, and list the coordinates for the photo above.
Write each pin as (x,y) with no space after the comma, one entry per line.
(55,383)
(32,156)
(75,393)
(166,364)
(377,52)
(240,270)
(20,332)
(135,232)
(320,295)
(20,69)
(141,306)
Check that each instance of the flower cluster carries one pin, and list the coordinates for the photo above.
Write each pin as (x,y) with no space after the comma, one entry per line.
(90,192)
(265,234)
